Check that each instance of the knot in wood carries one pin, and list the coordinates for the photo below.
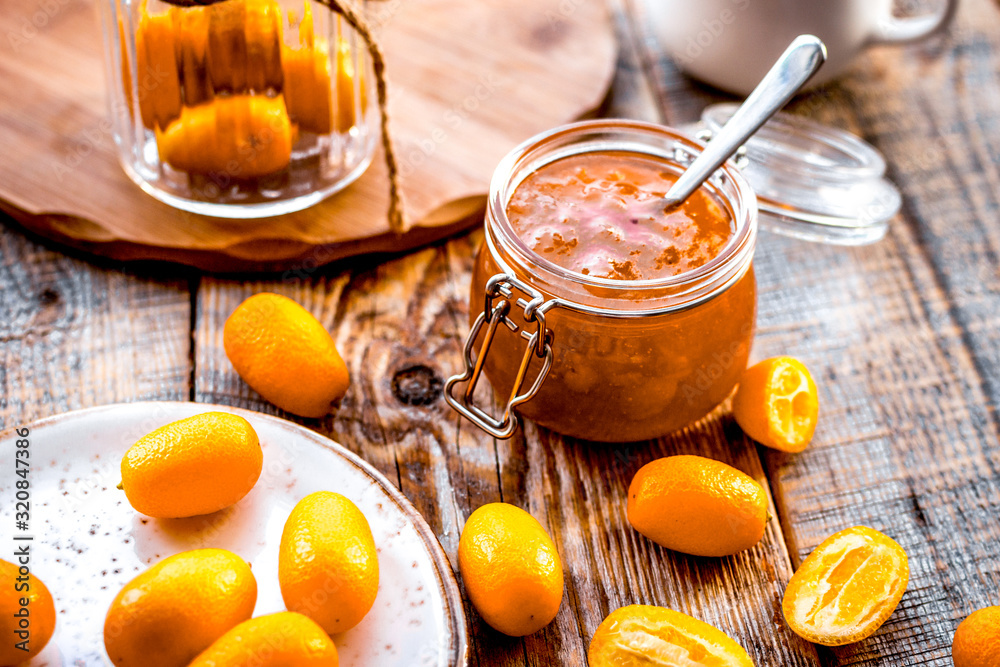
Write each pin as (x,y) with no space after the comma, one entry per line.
(49,297)
(416,385)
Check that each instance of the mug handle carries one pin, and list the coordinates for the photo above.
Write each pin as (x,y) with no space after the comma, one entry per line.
(893,30)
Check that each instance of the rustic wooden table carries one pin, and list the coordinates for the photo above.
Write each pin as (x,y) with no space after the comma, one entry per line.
(903,338)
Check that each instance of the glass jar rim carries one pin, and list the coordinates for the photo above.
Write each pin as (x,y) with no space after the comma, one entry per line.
(532,153)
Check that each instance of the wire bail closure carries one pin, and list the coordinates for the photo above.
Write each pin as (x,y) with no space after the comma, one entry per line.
(500,292)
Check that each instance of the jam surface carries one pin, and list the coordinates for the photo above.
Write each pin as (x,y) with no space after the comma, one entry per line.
(602,215)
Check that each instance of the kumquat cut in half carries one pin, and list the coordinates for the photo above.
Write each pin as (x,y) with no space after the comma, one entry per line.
(648,636)
(847,587)
(777,404)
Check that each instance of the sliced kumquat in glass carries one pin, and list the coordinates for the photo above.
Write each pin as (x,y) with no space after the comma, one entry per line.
(847,587)
(648,636)
(777,404)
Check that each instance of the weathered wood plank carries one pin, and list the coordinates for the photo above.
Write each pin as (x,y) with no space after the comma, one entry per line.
(73,335)
(902,338)
(580,487)
(412,312)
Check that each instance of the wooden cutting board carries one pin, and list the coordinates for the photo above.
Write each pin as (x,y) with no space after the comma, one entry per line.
(467,80)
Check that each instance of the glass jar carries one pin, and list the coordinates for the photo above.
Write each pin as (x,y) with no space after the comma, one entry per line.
(241,108)
(597,358)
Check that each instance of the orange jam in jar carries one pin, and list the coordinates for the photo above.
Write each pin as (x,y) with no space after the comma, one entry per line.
(601,215)
(597,312)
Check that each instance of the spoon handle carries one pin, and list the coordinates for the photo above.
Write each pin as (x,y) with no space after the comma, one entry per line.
(797,64)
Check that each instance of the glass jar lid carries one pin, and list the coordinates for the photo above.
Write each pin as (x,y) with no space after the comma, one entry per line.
(814,182)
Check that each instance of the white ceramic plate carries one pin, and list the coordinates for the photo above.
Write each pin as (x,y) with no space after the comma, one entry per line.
(88,541)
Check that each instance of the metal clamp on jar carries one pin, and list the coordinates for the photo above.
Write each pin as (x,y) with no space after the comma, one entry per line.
(500,290)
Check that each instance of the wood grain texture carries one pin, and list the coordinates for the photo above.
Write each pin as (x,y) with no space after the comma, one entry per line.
(411,313)
(902,338)
(409,317)
(73,335)
(467,82)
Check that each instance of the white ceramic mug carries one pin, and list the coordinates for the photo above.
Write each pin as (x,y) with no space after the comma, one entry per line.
(732,43)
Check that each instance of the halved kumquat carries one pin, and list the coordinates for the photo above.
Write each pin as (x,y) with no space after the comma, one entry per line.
(777,404)
(847,587)
(648,636)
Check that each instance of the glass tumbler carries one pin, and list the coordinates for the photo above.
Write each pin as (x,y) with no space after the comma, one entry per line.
(241,108)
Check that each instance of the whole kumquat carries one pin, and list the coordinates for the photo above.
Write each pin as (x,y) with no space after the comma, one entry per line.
(327,561)
(284,639)
(511,569)
(246,136)
(27,615)
(174,610)
(697,506)
(847,587)
(977,640)
(192,466)
(645,636)
(285,354)
(777,404)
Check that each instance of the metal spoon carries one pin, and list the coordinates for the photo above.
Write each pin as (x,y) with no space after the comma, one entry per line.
(804,56)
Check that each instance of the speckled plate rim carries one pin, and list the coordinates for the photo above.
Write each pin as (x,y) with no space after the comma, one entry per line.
(444,575)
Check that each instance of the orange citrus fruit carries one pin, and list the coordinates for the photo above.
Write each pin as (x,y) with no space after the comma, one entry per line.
(241,136)
(285,354)
(777,404)
(285,639)
(977,640)
(697,506)
(511,569)
(159,89)
(847,587)
(175,610)
(327,562)
(645,636)
(316,101)
(192,466)
(26,628)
